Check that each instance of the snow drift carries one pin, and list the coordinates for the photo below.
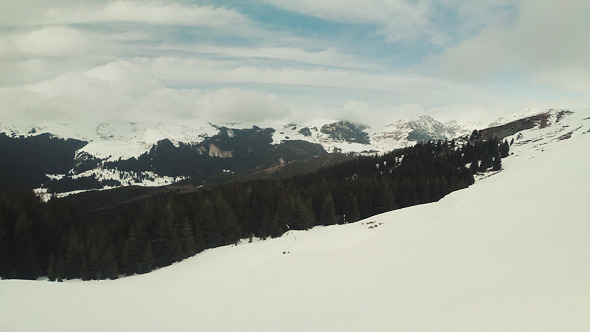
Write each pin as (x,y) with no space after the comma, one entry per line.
(510,253)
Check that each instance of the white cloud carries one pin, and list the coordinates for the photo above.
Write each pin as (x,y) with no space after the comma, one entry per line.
(23,13)
(328,57)
(46,41)
(547,42)
(398,20)
(242,106)
(213,71)
(127,91)
(130,60)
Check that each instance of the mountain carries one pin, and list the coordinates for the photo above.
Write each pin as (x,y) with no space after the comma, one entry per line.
(111,155)
(508,253)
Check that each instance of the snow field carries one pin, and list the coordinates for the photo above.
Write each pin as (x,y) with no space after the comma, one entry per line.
(510,253)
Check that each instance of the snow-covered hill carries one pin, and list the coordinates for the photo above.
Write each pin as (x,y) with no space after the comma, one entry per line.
(101,161)
(510,253)
(111,141)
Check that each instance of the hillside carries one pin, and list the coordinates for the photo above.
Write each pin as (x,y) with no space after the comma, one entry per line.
(112,155)
(509,253)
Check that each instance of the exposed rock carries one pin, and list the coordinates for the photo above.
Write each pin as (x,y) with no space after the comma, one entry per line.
(511,128)
(214,151)
(305,132)
(347,132)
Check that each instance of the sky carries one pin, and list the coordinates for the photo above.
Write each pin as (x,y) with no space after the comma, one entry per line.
(370,61)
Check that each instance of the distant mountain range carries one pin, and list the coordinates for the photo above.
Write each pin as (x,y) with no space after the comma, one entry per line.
(68,158)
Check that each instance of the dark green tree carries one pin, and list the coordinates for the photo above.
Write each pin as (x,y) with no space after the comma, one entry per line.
(328,215)
(109,265)
(351,211)
(147,260)
(474,167)
(188,239)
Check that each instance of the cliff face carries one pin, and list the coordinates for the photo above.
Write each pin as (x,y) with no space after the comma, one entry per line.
(540,120)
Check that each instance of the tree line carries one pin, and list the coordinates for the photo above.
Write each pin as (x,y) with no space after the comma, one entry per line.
(58,240)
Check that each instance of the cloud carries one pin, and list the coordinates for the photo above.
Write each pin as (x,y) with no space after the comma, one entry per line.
(397,20)
(173,61)
(239,105)
(128,91)
(151,13)
(274,55)
(47,41)
(139,89)
(548,42)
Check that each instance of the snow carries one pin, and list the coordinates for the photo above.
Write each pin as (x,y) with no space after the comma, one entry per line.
(125,178)
(125,140)
(116,140)
(523,113)
(510,253)
(382,140)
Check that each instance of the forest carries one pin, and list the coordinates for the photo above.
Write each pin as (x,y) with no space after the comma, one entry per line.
(62,240)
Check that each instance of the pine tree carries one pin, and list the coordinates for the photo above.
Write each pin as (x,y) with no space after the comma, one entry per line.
(72,263)
(188,239)
(109,265)
(351,210)
(26,250)
(497,163)
(147,260)
(85,271)
(52,269)
(131,253)
(328,214)
(386,201)
(504,149)
(211,228)
(485,164)
(275,228)
(199,238)
(474,167)
(94,263)
(230,228)
(6,253)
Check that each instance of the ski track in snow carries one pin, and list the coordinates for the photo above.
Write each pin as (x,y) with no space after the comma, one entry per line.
(510,253)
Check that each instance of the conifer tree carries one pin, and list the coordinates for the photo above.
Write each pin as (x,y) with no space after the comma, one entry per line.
(6,255)
(147,260)
(85,271)
(474,167)
(211,228)
(109,265)
(52,269)
(504,149)
(328,215)
(188,239)
(497,163)
(485,164)
(351,210)
(94,263)
(386,201)
(199,238)
(72,263)
(25,251)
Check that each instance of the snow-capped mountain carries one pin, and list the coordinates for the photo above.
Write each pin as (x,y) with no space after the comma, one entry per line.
(152,154)
(509,253)
(113,141)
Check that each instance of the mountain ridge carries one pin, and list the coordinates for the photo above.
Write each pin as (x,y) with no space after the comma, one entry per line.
(157,154)
(509,253)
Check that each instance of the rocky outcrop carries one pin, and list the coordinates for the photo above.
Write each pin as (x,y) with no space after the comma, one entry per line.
(214,151)
(347,132)
(511,128)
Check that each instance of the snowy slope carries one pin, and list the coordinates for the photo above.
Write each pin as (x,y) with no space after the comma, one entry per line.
(510,253)
(115,140)
(112,141)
